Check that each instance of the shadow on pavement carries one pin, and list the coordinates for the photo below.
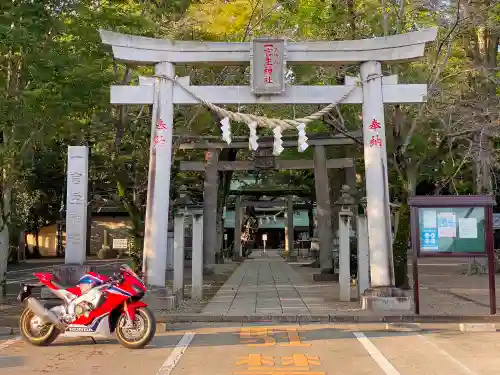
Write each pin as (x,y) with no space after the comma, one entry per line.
(159,342)
(460,297)
(82,341)
(11,361)
(280,336)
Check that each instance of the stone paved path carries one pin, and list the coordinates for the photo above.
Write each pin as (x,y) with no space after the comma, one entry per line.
(266,286)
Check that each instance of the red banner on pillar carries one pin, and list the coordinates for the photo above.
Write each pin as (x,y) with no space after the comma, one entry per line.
(375,141)
(375,125)
(160,140)
(160,125)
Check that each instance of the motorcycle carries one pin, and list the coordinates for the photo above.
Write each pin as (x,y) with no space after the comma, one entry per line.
(109,306)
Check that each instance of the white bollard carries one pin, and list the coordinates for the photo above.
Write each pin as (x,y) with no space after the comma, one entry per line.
(178,290)
(197,262)
(363,255)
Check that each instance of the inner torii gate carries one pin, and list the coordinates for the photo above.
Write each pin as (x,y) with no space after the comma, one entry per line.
(320,164)
(373,93)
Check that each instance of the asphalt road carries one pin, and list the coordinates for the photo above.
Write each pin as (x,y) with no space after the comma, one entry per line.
(310,349)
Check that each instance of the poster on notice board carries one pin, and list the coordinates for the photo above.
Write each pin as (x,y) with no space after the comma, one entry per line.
(467,228)
(447,225)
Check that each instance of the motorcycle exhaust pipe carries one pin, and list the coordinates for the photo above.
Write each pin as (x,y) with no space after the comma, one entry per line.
(40,311)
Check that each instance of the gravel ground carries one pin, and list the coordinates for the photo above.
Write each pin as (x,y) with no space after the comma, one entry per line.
(445,289)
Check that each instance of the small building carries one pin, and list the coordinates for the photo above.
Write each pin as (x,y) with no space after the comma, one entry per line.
(116,223)
(272,224)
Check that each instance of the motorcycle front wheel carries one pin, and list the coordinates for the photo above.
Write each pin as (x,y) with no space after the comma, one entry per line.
(34,332)
(140,332)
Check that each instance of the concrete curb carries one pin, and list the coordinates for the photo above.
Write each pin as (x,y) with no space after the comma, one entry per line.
(210,318)
(477,327)
(469,323)
(403,327)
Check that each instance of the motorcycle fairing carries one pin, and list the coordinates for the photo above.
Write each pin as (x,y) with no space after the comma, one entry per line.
(98,327)
(131,307)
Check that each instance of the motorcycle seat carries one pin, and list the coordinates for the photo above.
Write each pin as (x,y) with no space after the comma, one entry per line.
(58,285)
(57,282)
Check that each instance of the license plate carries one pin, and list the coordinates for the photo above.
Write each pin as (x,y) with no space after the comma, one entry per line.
(24,293)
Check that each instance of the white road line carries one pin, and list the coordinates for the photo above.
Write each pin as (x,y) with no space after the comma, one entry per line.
(377,356)
(464,368)
(176,354)
(10,342)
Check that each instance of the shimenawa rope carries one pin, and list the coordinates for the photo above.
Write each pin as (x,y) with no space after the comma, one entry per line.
(262,120)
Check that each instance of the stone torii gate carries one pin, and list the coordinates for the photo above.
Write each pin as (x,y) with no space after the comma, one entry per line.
(373,93)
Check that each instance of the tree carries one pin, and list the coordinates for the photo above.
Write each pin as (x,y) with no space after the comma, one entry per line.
(55,79)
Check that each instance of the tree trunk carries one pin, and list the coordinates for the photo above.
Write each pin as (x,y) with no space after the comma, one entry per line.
(223,192)
(310,216)
(400,243)
(351,10)
(483,185)
(36,248)
(14,245)
(4,238)
(26,246)
(21,245)
(4,254)
(400,247)
(219,230)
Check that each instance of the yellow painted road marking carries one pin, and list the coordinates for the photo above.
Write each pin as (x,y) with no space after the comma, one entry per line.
(251,336)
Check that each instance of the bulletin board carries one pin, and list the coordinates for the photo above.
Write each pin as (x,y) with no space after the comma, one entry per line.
(451,230)
(452,226)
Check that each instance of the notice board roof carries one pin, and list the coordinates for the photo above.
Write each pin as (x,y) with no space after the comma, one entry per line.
(452,201)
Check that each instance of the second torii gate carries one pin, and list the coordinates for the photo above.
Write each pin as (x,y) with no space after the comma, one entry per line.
(374,92)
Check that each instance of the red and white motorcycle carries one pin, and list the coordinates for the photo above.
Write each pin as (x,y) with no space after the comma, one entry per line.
(97,306)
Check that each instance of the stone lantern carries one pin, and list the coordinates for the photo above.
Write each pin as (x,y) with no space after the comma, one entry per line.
(315,243)
(346,201)
(181,204)
(182,201)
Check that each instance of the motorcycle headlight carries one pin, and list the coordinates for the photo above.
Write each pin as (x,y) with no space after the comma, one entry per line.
(137,289)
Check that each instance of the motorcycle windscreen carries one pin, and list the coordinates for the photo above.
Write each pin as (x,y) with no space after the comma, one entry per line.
(126,268)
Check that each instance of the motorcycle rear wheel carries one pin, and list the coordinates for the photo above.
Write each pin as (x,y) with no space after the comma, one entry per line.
(144,326)
(33,332)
